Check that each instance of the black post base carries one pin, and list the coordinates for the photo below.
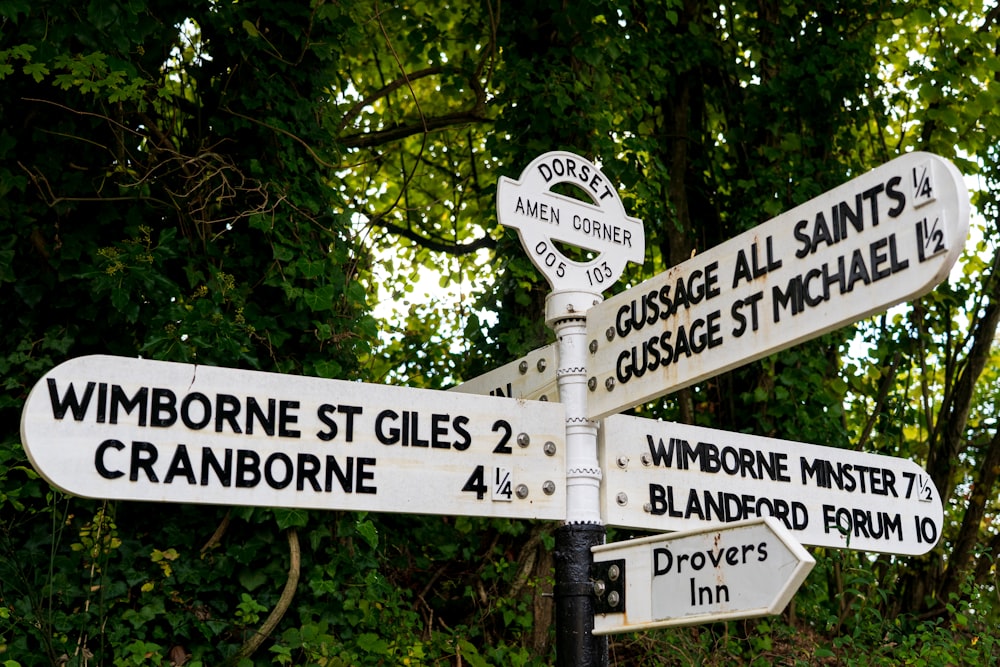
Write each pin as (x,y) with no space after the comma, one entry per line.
(576,645)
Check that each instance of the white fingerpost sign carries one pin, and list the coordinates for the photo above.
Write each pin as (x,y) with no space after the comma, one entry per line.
(885,237)
(532,378)
(743,570)
(662,476)
(545,218)
(134,429)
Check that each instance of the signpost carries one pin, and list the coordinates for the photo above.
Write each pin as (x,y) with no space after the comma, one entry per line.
(751,568)
(663,476)
(885,237)
(133,429)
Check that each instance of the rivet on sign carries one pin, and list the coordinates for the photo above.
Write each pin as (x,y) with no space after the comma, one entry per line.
(622,499)
(622,461)
(549,487)
(610,333)
(613,599)
(648,507)
(540,365)
(521,491)
(646,460)
(523,439)
(609,384)
(599,588)
(543,397)
(592,384)
(593,346)
(549,448)
(523,367)
(613,572)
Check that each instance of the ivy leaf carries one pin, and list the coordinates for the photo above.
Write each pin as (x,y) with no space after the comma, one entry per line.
(368,531)
(252,578)
(320,298)
(290,517)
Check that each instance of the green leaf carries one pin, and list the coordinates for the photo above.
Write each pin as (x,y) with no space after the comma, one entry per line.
(251,579)
(368,531)
(38,71)
(372,643)
(320,298)
(291,518)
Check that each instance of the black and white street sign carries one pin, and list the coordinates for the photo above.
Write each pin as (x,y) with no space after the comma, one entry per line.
(496,446)
(885,237)
(662,476)
(132,429)
(743,570)
(545,218)
(531,378)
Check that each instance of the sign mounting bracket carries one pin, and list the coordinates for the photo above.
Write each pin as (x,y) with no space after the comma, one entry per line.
(609,586)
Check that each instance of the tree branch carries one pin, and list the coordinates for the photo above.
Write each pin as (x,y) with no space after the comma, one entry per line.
(943,455)
(424,126)
(437,245)
(265,630)
(385,90)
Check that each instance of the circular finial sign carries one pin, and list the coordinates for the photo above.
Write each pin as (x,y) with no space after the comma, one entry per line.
(544,218)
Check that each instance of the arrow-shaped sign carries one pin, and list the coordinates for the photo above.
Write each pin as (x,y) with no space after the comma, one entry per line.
(662,476)
(135,429)
(885,237)
(742,570)
(530,378)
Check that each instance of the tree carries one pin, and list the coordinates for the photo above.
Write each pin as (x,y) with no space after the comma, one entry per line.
(223,183)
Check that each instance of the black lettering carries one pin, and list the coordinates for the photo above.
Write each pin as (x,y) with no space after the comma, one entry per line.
(164,408)
(255,413)
(439,432)
(206,407)
(854,216)
(799,233)
(323,413)
(662,561)
(120,400)
(285,417)
(345,476)
(102,469)
(364,475)
(306,470)
(180,464)
(896,196)
(458,425)
(387,436)
(871,194)
(415,440)
(223,471)
(227,409)
(351,411)
(278,482)
(858,271)
(247,469)
(144,455)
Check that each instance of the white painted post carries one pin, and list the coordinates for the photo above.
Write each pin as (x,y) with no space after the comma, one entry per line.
(566,315)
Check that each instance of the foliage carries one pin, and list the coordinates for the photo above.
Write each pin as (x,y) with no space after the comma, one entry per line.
(239,184)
